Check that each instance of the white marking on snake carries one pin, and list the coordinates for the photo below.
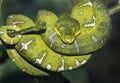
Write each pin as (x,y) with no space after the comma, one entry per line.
(25,45)
(62,66)
(83,62)
(49,66)
(63,45)
(81,13)
(10,16)
(24,70)
(39,12)
(17,22)
(13,60)
(100,5)
(77,62)
(70,68)
(51,39)
(19,36)
(92,24)
(102,41)
(87,4)
(40,60)
(4,40)
(76,46)
(94,39)
(1,32)
(14,26)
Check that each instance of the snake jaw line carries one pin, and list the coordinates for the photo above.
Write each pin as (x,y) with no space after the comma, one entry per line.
(66,40)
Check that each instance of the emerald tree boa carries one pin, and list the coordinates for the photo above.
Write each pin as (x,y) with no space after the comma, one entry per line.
(56,43)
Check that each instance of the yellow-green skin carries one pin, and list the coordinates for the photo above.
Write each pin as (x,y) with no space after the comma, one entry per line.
(94,30)
(15,22)
(31,50)
(88,23)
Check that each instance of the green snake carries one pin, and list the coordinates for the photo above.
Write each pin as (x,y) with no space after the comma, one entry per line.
(88,25)
(62,43)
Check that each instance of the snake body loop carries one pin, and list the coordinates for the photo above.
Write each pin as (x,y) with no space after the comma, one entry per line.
(27,46)
(63,43)
(63,36)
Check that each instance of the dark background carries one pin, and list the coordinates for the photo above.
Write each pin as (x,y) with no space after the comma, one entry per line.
(103,67)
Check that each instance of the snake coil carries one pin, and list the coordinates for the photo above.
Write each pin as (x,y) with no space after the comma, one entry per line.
(66,42)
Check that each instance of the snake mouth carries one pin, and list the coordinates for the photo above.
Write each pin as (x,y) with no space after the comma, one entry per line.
(68,40)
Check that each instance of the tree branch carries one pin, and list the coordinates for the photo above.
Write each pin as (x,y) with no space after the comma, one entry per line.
(115,8)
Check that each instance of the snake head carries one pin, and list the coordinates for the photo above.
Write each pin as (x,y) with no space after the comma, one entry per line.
(67,28)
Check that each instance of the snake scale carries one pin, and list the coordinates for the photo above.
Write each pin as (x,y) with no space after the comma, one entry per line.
(62,42)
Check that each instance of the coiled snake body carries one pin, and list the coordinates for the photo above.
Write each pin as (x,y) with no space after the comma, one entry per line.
(63,43)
